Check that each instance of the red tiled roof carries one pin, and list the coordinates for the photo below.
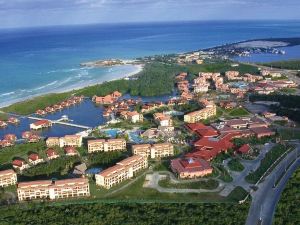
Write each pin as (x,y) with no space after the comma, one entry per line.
(18,162)
(190,164)
(244,148)
(195,126)
(51,152)
(33,156)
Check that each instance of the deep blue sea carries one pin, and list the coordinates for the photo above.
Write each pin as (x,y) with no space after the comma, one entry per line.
(42,60)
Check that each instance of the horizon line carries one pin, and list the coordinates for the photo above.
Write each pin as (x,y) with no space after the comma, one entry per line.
(149,22)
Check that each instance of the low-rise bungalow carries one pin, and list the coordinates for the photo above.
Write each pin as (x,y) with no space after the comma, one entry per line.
(40,124)
(35,159)
(51,154)
(20,164)
(70,151)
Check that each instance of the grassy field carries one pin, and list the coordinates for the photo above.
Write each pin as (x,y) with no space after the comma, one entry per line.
(21,150)
(237,112)
(210,184)
(137,191)
(3,116)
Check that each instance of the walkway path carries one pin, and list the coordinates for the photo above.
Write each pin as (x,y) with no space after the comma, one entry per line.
(153,179)
(61,122)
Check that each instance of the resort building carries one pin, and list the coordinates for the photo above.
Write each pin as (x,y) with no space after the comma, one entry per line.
(134,116)
(48,189)
(160,150)
(106,145)
(162,119)
(40,124)
(20,164)
(71,140)
(51,154)
(35,159)
(203,114)
(191,167)
(52,142)
(70,151)
(232,75)
(7,178)
(123,170)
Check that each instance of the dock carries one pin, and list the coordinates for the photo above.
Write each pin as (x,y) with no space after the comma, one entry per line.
(60,122)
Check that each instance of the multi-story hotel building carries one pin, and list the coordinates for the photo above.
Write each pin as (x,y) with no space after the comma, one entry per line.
(48,189)
(71,140)
(203,114)
(106,145)
(68,140)
(154,151)
(52,142)
(123,170)
(7,177)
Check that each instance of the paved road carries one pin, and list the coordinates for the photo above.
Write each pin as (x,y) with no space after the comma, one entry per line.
(239,177)
(265,199)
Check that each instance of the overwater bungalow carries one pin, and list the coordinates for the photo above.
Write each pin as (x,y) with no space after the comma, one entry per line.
(41,112)
(10,137)
(13,120)
(3,124)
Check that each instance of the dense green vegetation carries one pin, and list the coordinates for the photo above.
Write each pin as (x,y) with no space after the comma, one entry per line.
(105,159)
(126,213)
(287,211)
(288,64)
(209,184)
(289,134)
(235,165)
(266,162)
(289,104)
(3,116)
(30,106)
(59,167)
(288,101)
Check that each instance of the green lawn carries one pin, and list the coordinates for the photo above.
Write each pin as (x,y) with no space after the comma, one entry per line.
(210,184)
(237,194)
(235,165)
(20,150)
(137,191)
(224,174)
(237,112)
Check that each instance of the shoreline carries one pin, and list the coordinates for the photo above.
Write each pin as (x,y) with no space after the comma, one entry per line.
(139,68)
(77,86)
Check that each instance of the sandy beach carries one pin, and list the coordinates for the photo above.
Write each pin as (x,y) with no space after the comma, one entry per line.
(79,85)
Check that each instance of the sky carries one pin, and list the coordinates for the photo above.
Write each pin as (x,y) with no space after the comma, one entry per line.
(30,13)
